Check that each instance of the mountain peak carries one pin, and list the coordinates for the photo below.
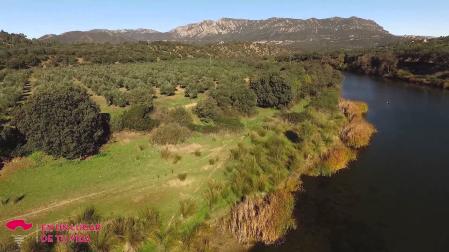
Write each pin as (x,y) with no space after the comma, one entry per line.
(331,31)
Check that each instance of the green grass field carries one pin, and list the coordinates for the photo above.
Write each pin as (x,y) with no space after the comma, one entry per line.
(128,175)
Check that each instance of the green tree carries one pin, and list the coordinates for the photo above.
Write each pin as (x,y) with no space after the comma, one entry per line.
(272,91)
(62,121)
(233,96)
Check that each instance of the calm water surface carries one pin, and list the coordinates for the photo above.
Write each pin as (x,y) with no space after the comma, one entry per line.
(395,197)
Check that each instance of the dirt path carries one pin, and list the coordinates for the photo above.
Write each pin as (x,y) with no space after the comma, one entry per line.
(79,198)
(62,203)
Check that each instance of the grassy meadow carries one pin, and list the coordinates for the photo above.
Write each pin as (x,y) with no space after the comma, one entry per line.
(232,146)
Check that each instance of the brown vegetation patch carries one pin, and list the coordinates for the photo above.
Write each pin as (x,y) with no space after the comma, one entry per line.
(171,133)
(15,165)
(191,105)
(353,109)
(338,157)
(357,133)
(178,183)
(126,136)
(184,148)
(262,218)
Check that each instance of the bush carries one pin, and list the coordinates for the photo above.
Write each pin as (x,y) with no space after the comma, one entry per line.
(207,110)
(141,95)
(62,121)
(168,89)
(170,133)
(337,158)
(272,91)
(182,176)
(116,98)
(180,116)
(237,97)
(138,118)
(357,133)
(191,91)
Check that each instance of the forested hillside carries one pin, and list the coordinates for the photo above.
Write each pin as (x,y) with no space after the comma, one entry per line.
(421,61)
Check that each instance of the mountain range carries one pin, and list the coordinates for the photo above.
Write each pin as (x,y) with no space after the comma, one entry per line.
(330,31)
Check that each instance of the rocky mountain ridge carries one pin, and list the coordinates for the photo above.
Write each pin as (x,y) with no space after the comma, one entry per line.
(334,30)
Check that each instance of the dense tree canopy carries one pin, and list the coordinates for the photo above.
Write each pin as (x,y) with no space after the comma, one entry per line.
(272,91)
(62,121)
(236,97)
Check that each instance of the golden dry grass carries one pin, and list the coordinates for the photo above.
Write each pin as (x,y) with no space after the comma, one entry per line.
(358,132)
(353,109)
(339,157)
(15,165)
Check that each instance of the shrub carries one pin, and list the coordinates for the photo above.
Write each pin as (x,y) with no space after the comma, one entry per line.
(168,89)
(141,95)
(337,158)
(170,133)
(197,153)
(237,97)
(138,118)
(180,116)
(272,91)
(207,110)
(357,133)
(191,91)
(116,98)
(182,176)
(176,158)
(62,121)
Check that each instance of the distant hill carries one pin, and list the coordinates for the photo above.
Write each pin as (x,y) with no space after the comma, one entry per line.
(12,39)
(330,32)
(103,36)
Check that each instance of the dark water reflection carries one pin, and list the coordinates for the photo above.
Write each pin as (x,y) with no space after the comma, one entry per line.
(395,197)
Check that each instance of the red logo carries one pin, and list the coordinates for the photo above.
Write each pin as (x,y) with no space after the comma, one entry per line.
(14,224)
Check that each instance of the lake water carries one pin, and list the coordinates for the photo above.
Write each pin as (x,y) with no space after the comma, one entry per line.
(395,197)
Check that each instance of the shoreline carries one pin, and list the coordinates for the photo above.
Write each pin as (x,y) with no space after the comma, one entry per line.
(354,112)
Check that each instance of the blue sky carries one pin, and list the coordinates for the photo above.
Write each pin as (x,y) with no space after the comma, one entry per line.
(38,17)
